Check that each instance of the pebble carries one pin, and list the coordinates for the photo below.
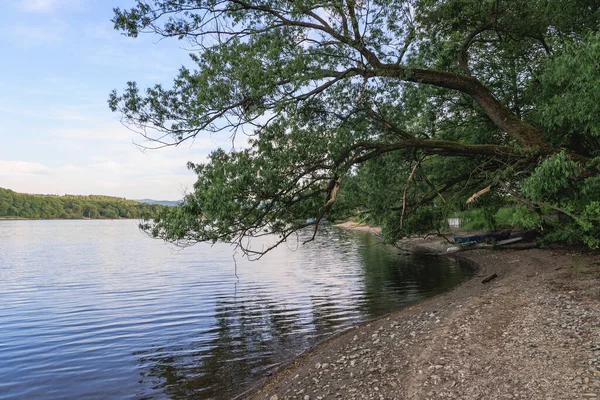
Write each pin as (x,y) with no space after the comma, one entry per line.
(534,350)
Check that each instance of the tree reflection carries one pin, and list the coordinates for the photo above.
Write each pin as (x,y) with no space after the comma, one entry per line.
(252,333)
(247,339)
(393,281)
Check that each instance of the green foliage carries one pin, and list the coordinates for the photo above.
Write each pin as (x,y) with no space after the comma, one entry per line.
(487,218)
(33,206)
(569,96)
(422,221)
(505,217)
(523,218)
(398,110)
(557,184)
(589,223)
(552,177)
(480,218)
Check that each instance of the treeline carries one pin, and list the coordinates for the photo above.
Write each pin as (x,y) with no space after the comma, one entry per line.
(33,206)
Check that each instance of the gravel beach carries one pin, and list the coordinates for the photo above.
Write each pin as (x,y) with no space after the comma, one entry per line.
(532,332)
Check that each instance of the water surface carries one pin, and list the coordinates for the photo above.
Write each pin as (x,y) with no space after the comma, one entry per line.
(97,310)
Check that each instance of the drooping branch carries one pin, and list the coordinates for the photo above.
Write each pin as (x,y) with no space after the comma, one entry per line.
(332,192)
(276,15)
(303,76)
(410,177)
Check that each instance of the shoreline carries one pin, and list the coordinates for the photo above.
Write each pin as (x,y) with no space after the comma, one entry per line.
(66,219)
(475,341)
(357,226)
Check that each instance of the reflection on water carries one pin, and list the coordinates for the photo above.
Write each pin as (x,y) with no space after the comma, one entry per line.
(94,309)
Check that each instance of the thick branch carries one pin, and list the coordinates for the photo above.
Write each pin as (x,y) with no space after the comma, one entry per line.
(434,147)
(524,133)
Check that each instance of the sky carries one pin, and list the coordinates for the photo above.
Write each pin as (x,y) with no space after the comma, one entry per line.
(59,61)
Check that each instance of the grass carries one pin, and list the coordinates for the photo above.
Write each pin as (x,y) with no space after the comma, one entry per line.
(505,217)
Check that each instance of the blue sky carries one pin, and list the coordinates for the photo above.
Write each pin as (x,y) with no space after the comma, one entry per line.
(59,61)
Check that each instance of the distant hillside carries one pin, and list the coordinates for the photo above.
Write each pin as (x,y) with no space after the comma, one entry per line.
(161,202)
(36,206)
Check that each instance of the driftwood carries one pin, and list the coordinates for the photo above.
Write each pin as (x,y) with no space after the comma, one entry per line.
(489,278)
(480,193)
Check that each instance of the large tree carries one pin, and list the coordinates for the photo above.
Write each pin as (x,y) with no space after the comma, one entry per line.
(346,103)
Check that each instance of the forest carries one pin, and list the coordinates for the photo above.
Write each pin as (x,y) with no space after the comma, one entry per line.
(35,206)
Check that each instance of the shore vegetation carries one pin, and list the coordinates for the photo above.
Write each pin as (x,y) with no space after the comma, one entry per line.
(15,205)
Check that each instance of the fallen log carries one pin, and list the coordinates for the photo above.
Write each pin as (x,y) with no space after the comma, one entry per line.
(489,278)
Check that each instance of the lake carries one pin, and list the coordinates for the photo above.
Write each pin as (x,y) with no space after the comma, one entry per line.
(98,310)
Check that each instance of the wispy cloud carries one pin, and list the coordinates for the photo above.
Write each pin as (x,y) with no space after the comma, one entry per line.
(49,34)
(110,165)
(123,53)
(102,31)
(22,168)
(43,6)
(54,112)
(57,134)
(154,179)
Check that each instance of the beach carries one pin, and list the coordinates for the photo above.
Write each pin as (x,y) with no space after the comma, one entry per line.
(531,332)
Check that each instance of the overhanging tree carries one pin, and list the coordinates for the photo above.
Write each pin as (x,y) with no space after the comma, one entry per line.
(347,102)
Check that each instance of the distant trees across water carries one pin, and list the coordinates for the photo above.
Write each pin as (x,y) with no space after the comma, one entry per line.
(34,206)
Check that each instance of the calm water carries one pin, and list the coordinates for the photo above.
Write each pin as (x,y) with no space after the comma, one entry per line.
(97,310)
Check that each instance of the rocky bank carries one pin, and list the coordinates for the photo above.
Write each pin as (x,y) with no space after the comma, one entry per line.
(533,332)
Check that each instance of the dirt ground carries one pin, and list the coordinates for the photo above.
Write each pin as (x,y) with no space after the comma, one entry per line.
(533,332)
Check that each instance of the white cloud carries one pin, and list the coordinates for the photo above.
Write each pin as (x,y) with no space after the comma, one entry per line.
(159,62)
(114,133)
(106,169)
(43,6)
(101,31)
(49,34)
(22,168)
(82,153)
(95,179)
(54,112)
(69,113)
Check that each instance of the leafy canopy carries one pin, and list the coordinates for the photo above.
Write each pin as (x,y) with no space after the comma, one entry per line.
(397,110)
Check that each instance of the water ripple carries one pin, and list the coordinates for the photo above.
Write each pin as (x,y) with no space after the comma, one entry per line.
(96,310)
